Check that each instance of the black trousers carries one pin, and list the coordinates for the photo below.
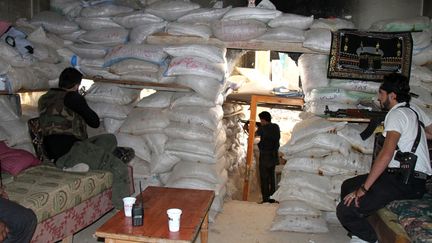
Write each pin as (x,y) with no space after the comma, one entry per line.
(387,188)
(267,164)
(21,221)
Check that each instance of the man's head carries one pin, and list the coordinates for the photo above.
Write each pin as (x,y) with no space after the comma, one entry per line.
(394,89)
(69,78)
(265,117)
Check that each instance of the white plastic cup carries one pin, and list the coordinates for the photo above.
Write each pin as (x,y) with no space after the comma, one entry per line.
(174,219)
(128,203)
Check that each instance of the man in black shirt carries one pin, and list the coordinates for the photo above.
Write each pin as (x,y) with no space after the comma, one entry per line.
(269,134)
(64,115)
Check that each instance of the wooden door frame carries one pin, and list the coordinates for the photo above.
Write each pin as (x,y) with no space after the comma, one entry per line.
(255,99)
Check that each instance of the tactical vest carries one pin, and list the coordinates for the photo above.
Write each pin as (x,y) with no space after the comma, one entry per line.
(56,118)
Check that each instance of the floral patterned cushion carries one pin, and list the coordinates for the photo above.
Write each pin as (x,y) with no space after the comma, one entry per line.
(49,191)
(416,217)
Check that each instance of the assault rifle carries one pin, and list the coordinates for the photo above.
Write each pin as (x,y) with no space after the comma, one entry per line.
(375,118)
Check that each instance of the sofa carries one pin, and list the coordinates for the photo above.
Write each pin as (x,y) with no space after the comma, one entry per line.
(64,202)
(404,221)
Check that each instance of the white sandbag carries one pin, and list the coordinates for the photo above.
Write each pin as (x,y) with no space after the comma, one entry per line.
(318,40)
(313,198)
(112,125)
(159,99)
(13,57)
(171,9)
(202,171)
(104,10)
(337,164)
(7,109)
(16,132)
(297,223)
(305,164)
(238,30)
(407,24)
(132,65)
(73,36)
(4,66)
(292,20)
(27,78)
(136,142)
(203,116)
(313,71)
(198,147)
(209,88)
(310,153)
(296,207)
(114,111)
(318,107)
(193,99)
(39,36)
(156,142)
(200,158)
(313,126)
(328,141)
(140,76)
(161,163)
(145,120)
(88,50)
(336,183)
(285,34)
(203,15)
(91,62)
(141,172)
(95,23)
(70,8)
(332,24)
(356,85)
(209,52)
(53,22)
(329,94)
(190,65)
(192,183)
(136,18)
(188,29)
(150,53)
(421,73)
(45,53)
(98,72)
(140,32)
(424,95)
(46,71)
(106,36)
(421,40)
(25,146)
(314,182)
(351,133)
(190,132)
(110,93)
(424,57)
(260,14)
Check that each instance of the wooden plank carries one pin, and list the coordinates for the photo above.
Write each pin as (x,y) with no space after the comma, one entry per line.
(142,85)
(267,100)
(165,38)
(385,224)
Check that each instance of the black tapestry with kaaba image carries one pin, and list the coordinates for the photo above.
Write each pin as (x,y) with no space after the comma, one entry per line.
(363,55)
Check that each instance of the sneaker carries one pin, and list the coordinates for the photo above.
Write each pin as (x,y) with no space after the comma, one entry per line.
(355,239)
(125,154)
(81,167)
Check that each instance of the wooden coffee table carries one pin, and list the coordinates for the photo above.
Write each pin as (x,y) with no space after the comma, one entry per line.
(195,205)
